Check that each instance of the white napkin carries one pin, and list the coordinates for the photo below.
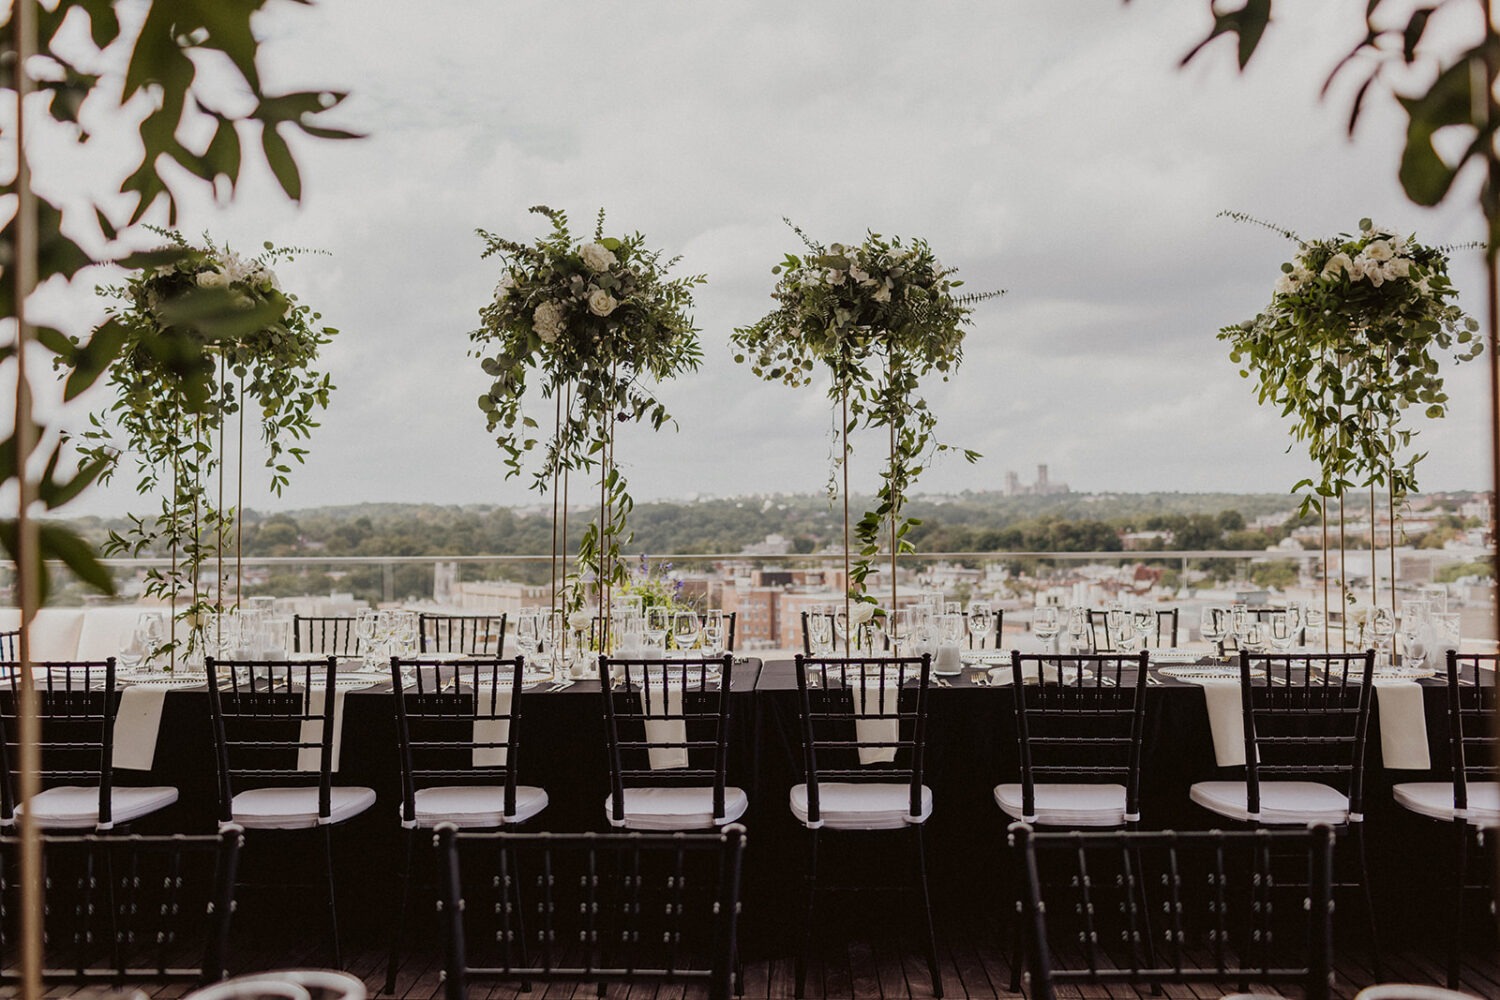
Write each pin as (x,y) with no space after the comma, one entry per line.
(867,699)
(1006,675)
(137,721)
(1403,725)
(948,660)
(492,730)
(309,758)
(667,701)
(1226,719)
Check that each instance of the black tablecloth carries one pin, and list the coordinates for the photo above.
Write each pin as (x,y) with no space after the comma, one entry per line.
(972,747)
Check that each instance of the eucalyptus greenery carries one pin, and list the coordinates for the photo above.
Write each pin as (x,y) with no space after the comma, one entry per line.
(1354,336)
(172,422)
(880,316)
(591,327)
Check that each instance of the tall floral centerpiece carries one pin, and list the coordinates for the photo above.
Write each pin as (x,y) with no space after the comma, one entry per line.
(258,348)
(879,316)
(590,327)
(1354,338)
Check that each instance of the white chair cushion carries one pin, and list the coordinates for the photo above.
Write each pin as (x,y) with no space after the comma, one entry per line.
(1281,802)
(296,808)
(656,808)
(1434,799)
(475,806)
(76,807)
(1067,805)
(857,806)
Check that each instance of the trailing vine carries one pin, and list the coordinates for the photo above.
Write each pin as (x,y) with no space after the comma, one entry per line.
(257,355)
(589,326)
(880,316)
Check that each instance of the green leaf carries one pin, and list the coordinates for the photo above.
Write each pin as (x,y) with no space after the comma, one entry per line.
(283,166)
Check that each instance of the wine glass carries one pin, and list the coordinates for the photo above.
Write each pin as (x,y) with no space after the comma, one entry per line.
(1122,630)
(1143,620)
(1078,630)
(1252,635)
(713,632)
(554,638)
(1314,619)
(657,626)
(149,632)
(1212,625)
(1045,625)
(981,622)
(685,630)
(364,634)
(1382,627)
(1414,633)
(819,630)
(1281,628)
(528,634)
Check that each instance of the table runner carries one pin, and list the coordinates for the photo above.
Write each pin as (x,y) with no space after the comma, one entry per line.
(309,758)
(137,722)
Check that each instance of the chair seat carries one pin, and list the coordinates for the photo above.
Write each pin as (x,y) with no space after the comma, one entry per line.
(296,808)
(861,806)
(76,807)
(1066,805)
(663,808)
(1434,799)
(475,806)
(1281,802)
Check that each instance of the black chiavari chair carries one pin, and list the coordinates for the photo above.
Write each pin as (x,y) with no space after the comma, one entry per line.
(1165,636)
(10,645)
(126,908)
(472,635)
(276,739)
(325,635)
(1470,799)
(77,704)
(667,732)
(457,733)
(1088,896)
(864,740)
(1305,720)
(600,907)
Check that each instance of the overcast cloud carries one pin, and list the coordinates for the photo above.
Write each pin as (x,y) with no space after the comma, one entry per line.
(1050,148)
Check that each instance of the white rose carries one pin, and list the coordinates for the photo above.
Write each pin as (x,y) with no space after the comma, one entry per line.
(1286,284)
(1338,262)
(1375,273)
(601,303)
(858,275)
(597,257)
(861,612)
(1377,250)
(1356,269)
(882,294)
(547,321)
(503,288)
(236,268)
(579,619)
(1398,267)
(212,279)
(835,277)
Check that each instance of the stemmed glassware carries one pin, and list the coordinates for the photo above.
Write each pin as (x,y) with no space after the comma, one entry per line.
(528,634)
(1282,627)
(1045,625)
(1213,625)
(364,634)
(819,630)
(1143,620)
(1122,630)
(1382,627)
(1414,633)
(713,632)
(981,622)
(685,630)
(657,626)
(1078,630)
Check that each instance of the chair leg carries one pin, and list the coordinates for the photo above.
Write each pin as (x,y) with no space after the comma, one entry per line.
(932,962)
(1358,830)
(333,909)
(800,965)
(398,922)
(1460,875)
(1017,950)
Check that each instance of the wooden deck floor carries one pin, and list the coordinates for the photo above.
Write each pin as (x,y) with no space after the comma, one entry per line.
(973,965)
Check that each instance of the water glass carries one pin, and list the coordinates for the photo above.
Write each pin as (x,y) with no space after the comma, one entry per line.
(1079,630)
(1045,624)
(714,632)
(685,630)
(1213,625)
(981,622)
(819,630)
(657,626)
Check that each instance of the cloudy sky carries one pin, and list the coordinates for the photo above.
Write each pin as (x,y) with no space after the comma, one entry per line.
(1049,148)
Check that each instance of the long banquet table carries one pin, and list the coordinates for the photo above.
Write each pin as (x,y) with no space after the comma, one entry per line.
(972,747)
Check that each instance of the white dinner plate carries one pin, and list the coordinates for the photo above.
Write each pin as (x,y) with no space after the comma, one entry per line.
(1005,675)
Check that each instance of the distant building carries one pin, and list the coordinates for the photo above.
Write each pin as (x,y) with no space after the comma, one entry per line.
(1042,487)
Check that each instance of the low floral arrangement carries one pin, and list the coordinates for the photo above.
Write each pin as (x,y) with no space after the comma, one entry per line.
(879,315)
(599,322)
(1353,337)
